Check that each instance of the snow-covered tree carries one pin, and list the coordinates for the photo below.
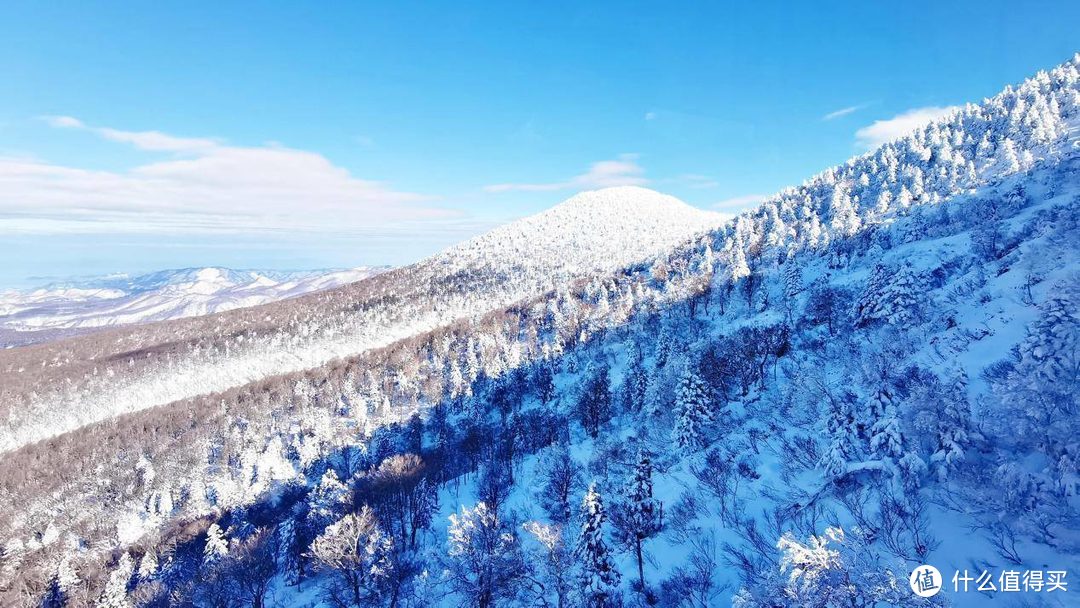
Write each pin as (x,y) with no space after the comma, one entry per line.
(1038,394)
(148,566)
(891,296)
(327,500)
(358,557)
(830,570)
(866,307)
(845,217)
(692,412)
(289,556)
(988,235)
(14,551)
(639,516)
(216,546)
(61,585)
(792,280)
(886,440)
(599,576)
(556,562)
(955,431)
(844,444)
(115,594)
(485,562)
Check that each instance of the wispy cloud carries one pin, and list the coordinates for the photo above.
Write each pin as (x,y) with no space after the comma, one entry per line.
(203,185)
(622,171)
(153,141)
(884,131)
(63,122)
(842,112)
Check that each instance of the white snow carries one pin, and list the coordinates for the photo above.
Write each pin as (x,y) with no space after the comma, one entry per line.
(173,294)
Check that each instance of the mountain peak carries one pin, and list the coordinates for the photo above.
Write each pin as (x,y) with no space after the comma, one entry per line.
(628,198)
(595,230)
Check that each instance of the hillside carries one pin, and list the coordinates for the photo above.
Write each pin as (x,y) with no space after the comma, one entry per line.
(126,370)
(873,370)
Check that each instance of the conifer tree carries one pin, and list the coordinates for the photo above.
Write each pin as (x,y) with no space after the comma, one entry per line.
(55,596)
(599,579)
(843,447)
(216,546)
(886,440)
(327,499)
(61,585)
(792,279)
(692,411)
(891,296)
(866,307)
(954,428)
(289,558)
(640,516)
(148,566)
(900,299)
(115,594)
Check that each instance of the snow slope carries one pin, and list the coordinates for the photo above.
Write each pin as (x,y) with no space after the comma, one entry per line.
(586,234)
(170,294)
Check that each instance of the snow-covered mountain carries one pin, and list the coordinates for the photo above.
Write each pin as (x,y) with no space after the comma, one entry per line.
(871,371)
(527,258)
(170,294)
(594,231)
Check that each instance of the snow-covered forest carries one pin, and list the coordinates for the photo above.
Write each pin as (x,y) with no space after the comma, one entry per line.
(874,370)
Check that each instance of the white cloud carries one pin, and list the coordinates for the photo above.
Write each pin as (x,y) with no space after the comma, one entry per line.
(623,171)
(155,141)
(650,116)
(63,122)
(842,112)
(204,186)
(884,131)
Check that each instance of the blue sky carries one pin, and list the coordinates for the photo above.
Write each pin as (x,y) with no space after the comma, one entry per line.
(137,136)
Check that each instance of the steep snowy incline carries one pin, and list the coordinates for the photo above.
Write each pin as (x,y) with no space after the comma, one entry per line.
(169,294)
(96,377)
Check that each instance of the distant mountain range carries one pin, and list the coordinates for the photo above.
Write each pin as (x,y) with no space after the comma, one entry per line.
(28,316)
